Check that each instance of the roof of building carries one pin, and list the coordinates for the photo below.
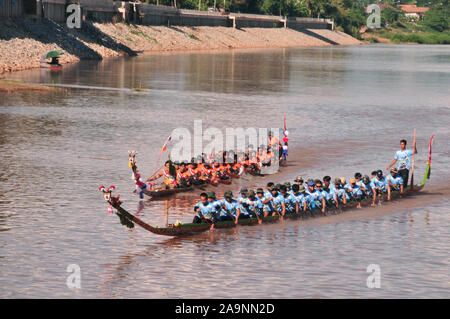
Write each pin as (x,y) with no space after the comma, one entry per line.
(412,8)
(385,6)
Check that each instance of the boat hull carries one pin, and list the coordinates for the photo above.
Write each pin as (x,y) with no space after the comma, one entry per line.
(191,228)
(51,66)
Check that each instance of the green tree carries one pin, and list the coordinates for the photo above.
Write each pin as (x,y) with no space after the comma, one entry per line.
(436,20)
(389,15)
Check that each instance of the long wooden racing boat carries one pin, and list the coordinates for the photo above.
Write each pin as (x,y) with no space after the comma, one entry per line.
(191,228)
(164,192)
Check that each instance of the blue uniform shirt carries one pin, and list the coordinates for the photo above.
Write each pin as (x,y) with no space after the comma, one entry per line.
(381,183)
(203,210)
(254,206)
(356,191)
(231,207)
(290,201)
(339,194)
(278,200)
(267,207)
(301,199)
(243,203)
(215,208)
(403,159)
(369,187)
(397,181)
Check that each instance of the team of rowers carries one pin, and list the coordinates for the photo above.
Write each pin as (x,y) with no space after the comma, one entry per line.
(298,198)
(215,168)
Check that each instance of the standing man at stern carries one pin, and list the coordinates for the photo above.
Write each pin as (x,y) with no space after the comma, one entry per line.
(403,160)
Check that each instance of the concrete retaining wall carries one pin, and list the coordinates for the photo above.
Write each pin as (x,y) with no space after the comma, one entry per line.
(163,15)
(146,14)
(11,8)
(309,23)
(242,20)
(54,10)
(95,10)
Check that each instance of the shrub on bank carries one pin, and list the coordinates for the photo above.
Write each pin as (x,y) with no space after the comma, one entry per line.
(426,38)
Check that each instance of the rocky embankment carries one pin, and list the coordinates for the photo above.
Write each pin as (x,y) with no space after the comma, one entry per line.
(23,41)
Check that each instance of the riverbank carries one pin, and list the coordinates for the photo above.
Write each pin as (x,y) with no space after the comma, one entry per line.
(23,41)
(400,33)
(7,87)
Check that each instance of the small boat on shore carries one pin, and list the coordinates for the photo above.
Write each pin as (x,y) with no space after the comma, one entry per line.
(54,63)
(179,229)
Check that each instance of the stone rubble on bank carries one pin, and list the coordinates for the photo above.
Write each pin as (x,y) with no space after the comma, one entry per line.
(23,41)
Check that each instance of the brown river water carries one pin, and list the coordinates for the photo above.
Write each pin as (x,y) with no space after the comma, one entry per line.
(347,108)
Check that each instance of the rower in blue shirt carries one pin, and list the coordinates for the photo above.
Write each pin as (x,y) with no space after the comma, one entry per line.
(339,194)
(327,183)
(290,201)
(316,198)
(394,180)
(266,202)
(356,192)
(268,199)
(203,212)
(324,191)
(278,201)
(288,188)
(299,192)
(242,211)
(370,189)
(229,207)
(255,206)
(215,206)
(382,184)
(360,183)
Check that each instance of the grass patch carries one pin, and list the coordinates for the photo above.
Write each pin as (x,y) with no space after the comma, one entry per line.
(372,40)
(421,38)
(129,39)
(11,86)
(193,37)
(143,34)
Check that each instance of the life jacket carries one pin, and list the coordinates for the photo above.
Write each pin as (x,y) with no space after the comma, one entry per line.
(168,178)
(193,172)
(182,175)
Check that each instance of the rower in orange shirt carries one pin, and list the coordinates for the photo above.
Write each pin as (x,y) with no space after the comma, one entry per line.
(183,176)
(275,144)
(169,179)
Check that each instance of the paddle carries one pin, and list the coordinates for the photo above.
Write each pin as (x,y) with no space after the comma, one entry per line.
(412,160)
(228,213)
(276,209)
(256,213)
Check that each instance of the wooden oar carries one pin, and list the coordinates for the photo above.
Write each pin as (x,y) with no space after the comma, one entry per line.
(412,160)
(257,216)
(228,213)
(157,171)
(167,213)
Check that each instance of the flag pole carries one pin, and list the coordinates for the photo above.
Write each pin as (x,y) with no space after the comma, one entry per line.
(412,160)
